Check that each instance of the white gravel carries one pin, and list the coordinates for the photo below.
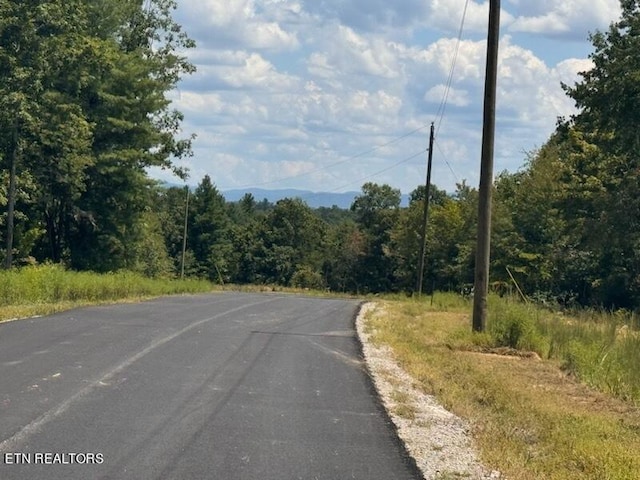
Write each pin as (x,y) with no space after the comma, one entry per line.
(438,440)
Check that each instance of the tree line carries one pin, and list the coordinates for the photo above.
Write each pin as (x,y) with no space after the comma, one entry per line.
(84,113)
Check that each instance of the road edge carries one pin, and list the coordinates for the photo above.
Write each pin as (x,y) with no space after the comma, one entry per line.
(438,441)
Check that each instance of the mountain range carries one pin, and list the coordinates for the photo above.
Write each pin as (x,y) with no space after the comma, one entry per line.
(313,199)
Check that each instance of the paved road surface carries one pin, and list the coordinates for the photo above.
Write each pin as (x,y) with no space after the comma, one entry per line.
(222,386)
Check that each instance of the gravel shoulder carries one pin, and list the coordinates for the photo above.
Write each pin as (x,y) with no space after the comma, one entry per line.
(439,441)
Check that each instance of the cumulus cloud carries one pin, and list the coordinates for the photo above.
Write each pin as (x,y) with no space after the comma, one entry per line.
(446,15)
(321,94)
(226,23)
(345,53)
(570,18)
(370,15)
(437,94)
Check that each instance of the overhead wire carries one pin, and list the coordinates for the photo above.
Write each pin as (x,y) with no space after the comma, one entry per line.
(369,176)
(445,97)
(339,162)
(439,118)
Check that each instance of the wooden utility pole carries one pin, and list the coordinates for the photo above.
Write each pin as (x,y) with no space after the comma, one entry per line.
(481,283)
(11,197)
(425,214)
(184,235)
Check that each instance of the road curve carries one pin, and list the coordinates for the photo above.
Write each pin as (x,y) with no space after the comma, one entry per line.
(222,386)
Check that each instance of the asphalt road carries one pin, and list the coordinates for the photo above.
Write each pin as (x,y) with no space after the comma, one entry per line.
(223,386)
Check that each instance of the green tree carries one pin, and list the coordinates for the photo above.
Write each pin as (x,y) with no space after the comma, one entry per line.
(291,239)
(605,167)
(444,235)
(83,111)
(376,211)
(138,60)
(42,45)
(170,207)
(345,248)
(209,231)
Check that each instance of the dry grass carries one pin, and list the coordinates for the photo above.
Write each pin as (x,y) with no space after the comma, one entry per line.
(531,420)
(45,289)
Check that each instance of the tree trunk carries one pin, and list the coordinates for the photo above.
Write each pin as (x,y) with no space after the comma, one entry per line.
(11,200)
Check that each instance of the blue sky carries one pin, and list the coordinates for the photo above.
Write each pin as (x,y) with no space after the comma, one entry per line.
(325,95)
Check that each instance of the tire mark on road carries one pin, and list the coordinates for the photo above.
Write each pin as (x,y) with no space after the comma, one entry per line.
(11,443)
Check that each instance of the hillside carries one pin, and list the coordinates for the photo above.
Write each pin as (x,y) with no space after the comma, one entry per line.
(313,199)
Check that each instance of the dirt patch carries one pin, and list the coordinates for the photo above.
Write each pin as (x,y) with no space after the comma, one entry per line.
(507,353)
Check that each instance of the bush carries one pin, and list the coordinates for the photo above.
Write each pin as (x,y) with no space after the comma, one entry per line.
(514,325)
(306,277)
(52,284)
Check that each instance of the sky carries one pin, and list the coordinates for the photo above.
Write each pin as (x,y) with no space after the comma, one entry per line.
(325,95)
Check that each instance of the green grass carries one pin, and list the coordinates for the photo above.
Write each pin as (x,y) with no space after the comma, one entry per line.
(532,418)
(37,290)
(600,348)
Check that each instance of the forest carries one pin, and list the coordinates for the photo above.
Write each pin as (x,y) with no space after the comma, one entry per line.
(84,111)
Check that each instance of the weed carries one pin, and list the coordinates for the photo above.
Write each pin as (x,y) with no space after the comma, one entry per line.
(530,420)
(43,289)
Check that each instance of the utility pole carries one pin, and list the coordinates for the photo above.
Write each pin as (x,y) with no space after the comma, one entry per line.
(481,281)
(11,197)
(425,214)
(184,235)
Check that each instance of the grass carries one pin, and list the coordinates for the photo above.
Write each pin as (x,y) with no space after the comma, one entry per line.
(600,348)
(44,289)
(403,405)
(532,418)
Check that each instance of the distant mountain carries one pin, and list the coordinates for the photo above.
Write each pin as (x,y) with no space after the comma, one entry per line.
(313,199)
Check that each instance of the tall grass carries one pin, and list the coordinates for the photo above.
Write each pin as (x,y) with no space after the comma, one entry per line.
(529,421)
(49,284)
(600,348)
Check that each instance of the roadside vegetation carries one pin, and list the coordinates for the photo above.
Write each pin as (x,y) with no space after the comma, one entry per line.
(39,290)
(85,112)
(550,395)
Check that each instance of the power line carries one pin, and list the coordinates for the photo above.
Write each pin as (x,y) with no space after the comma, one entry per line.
(439,118)
(454,61)
(444,157)
(368,177)
(334,164)
(445,96)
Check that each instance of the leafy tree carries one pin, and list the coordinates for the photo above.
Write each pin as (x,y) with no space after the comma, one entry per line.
(247,253)
(334,215)
(438,197)
(291,238)
(137,60)
(83,111)
(209,231)
(606,163)
(170,207)
(344,249)
(41,49)
(444,234)
(148,253)
(376,212)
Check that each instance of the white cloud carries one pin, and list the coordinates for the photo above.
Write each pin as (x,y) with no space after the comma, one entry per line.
(345,53)
(304,94)
(232,22)
(242,70)
(446,15)
(570,18)
(370,15)
(458,98)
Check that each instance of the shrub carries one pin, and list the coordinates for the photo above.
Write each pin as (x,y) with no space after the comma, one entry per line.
(306,277)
